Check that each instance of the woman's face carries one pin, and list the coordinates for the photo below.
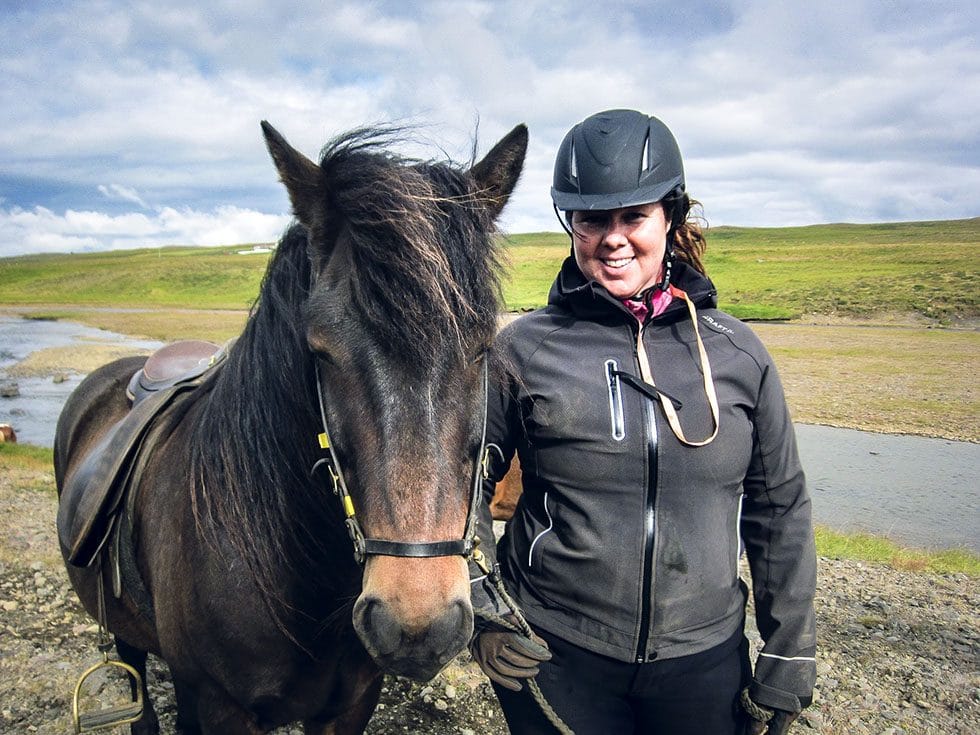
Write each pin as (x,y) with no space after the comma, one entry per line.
(622,249)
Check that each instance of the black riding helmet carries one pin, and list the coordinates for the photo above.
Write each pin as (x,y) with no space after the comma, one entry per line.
(614,159)
(621,158)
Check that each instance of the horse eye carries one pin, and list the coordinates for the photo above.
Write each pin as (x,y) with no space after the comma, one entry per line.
(320,346)
(321,352)
(326,357)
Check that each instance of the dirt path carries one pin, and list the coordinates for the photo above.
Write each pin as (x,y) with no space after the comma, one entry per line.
(898,650)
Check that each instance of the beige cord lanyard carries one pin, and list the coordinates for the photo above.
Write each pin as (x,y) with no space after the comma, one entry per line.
(709,383)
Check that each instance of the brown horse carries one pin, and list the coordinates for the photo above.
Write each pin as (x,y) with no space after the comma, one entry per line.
(373,319)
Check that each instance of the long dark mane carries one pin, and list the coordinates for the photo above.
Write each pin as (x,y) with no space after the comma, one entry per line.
(424,277)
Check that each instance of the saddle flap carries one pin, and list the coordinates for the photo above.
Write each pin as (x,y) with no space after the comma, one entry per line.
(92,494)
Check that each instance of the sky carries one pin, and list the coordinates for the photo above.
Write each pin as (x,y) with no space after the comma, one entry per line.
(136,124)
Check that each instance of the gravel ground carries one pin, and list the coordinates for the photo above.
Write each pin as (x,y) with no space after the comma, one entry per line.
(898,650)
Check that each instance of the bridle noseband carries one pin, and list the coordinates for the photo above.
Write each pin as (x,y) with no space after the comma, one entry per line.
(363,546)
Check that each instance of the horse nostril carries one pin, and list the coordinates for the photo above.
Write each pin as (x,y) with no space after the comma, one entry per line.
(457,621)
(453,630)
(375,626)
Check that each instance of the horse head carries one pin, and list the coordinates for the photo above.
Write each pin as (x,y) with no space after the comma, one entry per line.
(402,307)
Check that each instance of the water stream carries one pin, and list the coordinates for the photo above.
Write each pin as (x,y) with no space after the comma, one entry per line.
(34,411)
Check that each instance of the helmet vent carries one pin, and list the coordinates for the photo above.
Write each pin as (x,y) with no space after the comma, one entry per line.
(645,162)
(573,169)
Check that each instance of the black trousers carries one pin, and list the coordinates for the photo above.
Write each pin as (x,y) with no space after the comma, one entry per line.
(596,695)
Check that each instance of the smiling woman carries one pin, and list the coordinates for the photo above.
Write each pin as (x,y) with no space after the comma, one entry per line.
(654,441)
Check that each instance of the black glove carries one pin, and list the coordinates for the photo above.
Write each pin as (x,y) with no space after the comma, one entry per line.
(507,656)
(765,720)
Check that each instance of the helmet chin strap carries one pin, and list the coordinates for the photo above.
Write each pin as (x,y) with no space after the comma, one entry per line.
(677,215)
(664,284)
(561,220)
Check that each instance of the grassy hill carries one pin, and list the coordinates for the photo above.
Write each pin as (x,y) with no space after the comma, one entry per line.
(930,269)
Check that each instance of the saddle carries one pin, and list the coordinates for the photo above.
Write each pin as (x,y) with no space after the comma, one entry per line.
(94,494)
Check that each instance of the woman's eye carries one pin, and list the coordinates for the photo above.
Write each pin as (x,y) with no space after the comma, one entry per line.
(591,223)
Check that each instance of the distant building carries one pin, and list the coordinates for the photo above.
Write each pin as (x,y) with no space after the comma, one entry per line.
(256,249)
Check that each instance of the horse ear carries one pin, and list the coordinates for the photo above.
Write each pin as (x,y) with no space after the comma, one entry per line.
(297,172)
(497,174)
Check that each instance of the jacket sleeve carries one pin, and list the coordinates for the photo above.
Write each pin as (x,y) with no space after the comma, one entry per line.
(498,452)
(778,534)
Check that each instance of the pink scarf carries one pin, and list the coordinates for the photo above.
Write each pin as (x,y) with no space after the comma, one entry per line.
(658,303)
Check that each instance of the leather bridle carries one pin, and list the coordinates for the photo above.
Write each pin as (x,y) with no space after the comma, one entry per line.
(363,546)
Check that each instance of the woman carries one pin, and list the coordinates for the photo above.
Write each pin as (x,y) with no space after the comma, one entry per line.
(654,441)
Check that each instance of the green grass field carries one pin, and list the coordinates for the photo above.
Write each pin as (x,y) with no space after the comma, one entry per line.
(931,269)
(188,277)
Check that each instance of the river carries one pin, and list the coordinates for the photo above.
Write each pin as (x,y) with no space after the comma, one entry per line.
(918,491)
(34,411)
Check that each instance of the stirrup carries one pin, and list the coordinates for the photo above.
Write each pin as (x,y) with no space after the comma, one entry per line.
(121,714)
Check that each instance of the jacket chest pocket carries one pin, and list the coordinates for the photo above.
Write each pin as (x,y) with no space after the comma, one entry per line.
(587,407)
(579,429)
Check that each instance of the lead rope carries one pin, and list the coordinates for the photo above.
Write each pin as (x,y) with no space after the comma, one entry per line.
(522,627)
(754,710)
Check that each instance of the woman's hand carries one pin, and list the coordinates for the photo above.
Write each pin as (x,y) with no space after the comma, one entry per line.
(508,656)
(765,720)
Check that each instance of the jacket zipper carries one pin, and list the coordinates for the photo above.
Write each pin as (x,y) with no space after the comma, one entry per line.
(650,510)
(617,421)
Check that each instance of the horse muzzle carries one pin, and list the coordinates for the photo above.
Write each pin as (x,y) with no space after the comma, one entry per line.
(411,617)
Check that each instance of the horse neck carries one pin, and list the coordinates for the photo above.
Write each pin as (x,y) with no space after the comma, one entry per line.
(264,403)
(256,444)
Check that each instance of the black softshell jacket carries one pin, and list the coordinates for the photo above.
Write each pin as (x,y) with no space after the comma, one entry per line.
(626,542)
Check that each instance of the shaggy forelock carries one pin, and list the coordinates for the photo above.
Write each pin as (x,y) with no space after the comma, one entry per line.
(425,273)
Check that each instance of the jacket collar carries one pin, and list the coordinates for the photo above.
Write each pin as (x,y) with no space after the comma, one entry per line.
(587,299)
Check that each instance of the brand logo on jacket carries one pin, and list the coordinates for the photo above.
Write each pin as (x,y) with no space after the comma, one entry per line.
(716,325)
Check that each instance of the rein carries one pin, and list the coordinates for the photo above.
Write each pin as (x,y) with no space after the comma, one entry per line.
(363,546)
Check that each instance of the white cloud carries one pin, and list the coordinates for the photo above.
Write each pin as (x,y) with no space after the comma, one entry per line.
(41,230)
(122,193)
(822,112)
